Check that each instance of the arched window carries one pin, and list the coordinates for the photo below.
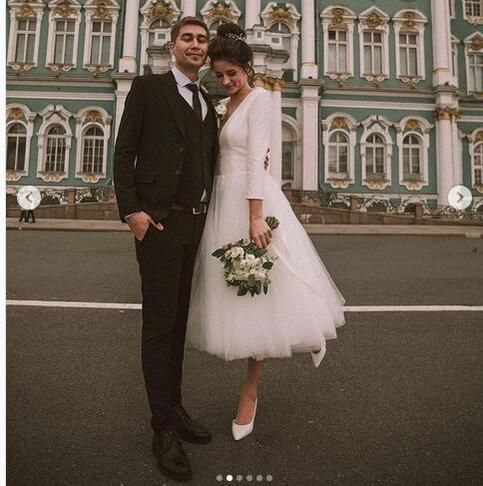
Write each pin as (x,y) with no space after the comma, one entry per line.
(159,32)
(16,143)
(412,158)
(93,150)
(55,154)
(478,164)
(375,156)
(280,36)
(338,154)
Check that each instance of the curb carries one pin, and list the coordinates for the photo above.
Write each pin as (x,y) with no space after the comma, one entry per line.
(312,229)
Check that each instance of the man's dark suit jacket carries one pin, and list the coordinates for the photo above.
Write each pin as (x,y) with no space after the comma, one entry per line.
(151,147)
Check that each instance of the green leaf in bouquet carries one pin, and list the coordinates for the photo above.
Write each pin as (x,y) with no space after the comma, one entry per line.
(268,265)
(258,287)
(265,288)
(251,282)
(218,253)
(242,290)
(272,222)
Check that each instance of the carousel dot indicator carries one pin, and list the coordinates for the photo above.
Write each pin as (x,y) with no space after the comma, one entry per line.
(229,477)
(249,478)
(259,478)
(239,477)
(219,478)
(269,477)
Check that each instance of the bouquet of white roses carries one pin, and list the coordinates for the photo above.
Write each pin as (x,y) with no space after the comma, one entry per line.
(245,265)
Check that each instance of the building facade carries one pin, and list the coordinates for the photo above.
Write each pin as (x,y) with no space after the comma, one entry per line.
(376,104)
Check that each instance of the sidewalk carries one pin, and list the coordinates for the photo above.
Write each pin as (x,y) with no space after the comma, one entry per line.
(314,229)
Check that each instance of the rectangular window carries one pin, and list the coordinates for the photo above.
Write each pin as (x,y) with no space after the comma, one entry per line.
(408,54)
(338,51)
(64,42)
(24,51)
(101,42)
(55,154)
(473,8)
(372,53)
(476,72)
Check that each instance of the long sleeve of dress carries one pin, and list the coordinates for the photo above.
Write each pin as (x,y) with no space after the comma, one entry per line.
(258,144)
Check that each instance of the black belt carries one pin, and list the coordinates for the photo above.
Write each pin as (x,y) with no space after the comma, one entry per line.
(202,208)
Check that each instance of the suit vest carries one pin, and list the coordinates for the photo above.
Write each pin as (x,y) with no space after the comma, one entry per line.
(197,172)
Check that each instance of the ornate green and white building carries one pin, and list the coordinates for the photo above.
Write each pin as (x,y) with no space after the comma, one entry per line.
(377,104)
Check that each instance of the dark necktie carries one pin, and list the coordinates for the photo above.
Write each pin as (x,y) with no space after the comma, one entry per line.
(196,99)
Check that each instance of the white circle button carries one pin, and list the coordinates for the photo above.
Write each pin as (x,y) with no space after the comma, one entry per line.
(459,197)
(29,197)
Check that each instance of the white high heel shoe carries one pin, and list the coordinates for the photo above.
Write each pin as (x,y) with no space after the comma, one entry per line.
(317,357)
(241,431)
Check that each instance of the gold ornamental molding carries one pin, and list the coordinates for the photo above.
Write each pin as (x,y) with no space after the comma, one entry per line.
(410,21)
(16,113)
(21,67)
(338,183)
(280,13)
(51,176)
(476,44)
(340,77)
(269,83)
(376,79)
(377,185)
(61,68)
(374,21)
(259,80)
(447,113)
(12,176)
(413,186)
(65,10)
(411,80)
(93,116)
(161,10)
(412,125)
(220,10)
(338,19)
(102,9)
(25,11)
(479,137)
(90,178)
(339,123)
(98,69)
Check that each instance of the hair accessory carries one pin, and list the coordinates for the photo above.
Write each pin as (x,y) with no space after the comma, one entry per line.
(231,35)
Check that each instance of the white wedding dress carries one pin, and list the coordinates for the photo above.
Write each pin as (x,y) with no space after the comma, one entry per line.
(303,306)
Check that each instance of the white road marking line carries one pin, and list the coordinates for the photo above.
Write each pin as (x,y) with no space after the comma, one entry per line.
(349,308)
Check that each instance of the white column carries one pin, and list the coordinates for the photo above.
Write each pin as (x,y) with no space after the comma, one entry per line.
(189,8)
(123,87)
(310,137)
(127,63)
(444,153)
(276,136)
(252,13)
(309,66)
(441,43)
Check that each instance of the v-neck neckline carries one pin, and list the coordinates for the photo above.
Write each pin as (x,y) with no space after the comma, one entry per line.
(235,110)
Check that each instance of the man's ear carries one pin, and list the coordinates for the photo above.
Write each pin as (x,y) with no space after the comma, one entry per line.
(170,46)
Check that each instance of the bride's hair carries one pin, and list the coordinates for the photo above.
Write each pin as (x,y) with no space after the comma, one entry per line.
(229,45)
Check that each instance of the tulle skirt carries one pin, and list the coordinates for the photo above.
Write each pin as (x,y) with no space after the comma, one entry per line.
(303,306)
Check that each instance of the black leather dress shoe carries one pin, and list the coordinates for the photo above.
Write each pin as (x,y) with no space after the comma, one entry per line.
(172,459)
(188,429)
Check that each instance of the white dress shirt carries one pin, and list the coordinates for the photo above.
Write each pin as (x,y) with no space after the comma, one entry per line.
(182,80)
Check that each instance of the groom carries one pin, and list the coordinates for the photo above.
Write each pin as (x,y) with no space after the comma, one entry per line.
(163,168)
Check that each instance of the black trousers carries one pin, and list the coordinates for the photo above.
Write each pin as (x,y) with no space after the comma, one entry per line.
(166,260)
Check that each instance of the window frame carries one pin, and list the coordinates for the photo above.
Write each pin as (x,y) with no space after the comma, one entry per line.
(475,139)
(410,21)
(338,18)
(374,20)
(473,46)
(20,11)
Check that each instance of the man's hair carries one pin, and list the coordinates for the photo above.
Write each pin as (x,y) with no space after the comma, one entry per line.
(187,21)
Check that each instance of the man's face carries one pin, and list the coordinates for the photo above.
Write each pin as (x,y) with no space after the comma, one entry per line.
(190,48)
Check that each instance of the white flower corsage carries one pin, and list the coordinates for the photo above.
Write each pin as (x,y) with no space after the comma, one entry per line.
(221,109)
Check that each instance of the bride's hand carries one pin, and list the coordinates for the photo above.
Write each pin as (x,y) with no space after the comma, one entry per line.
(260,232)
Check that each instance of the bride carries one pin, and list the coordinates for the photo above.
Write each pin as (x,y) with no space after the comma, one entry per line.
(303,306)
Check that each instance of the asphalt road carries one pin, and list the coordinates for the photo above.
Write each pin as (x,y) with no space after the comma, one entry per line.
(398,399)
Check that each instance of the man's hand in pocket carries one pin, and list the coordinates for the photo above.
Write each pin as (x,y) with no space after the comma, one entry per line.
(139,223)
